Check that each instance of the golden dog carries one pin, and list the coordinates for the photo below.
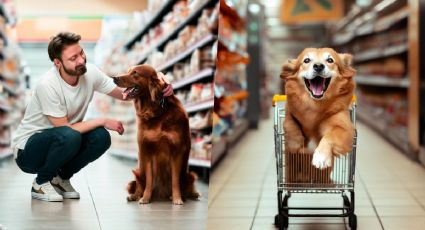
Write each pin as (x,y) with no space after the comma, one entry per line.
(164,139)
(319,87)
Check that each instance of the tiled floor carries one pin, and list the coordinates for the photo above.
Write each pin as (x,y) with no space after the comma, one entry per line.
(102,205)
(390,189)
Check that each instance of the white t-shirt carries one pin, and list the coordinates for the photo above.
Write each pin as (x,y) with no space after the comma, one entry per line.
(56,98)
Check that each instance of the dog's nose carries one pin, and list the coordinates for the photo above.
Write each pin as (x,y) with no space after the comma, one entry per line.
(318,67)
(115,80)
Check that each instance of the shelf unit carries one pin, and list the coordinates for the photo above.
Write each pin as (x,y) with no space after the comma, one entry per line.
(385,32)
(205,74)
(201,43)
(156,19)
(231,80)
(198,106)
(166,38)
(384,81)
(377,53)
(12,96)
(223,145)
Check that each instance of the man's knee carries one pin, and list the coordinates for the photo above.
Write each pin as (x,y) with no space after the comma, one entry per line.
(69,137)
(101,138)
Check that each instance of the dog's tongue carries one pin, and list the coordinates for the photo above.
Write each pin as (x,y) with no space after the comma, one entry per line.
(125,93)
(316,86)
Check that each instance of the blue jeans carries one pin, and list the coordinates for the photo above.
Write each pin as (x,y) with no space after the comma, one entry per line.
(61,151)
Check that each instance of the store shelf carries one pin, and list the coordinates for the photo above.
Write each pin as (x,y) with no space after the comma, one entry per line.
(232,47)
(174,32)
(397,135)
(207,104)
(383,81)
(387,22)
(5,153)
(371,27)
(380,53)
(218,150)
(5,142)
(195,77)
(156,19)
(5,86)
(202,42)
(5,108)
(237,131)
(199,162)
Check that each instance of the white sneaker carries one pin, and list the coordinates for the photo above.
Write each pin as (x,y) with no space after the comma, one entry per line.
(45,192)
(64,188)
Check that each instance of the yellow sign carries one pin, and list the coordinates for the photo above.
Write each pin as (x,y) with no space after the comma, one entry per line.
(311,11)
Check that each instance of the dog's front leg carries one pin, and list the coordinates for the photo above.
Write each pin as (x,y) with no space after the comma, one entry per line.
(337,140)
(147,193)
(294,138)
(175,181)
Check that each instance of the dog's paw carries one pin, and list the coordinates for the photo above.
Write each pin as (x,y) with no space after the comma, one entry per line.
(195,196)
(177,201)
(321,160)
(144,200)
(132,197)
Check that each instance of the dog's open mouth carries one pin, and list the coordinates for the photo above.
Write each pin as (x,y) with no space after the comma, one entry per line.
(317,86)
(130,92)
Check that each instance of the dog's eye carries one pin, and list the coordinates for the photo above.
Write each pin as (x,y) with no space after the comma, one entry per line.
(330,60)
(307,60)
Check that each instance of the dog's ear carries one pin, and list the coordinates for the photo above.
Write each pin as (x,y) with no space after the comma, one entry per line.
(346,59)
(289,68)
(154,89)
(346,69)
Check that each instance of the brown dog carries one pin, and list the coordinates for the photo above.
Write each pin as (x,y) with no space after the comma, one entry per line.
(319,87)
(163,137)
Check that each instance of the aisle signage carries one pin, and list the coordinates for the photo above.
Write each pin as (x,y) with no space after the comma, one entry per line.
(311,11)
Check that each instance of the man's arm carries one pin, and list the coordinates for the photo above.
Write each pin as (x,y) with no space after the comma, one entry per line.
(117,93)
(86,126)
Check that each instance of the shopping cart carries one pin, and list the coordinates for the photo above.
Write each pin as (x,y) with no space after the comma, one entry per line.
(295,174)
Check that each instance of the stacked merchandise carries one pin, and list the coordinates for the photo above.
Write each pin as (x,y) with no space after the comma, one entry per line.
(180,40)
(377,36)
(231,94)
(12,102)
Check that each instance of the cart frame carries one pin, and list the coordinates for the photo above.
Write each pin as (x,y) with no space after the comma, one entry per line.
(344,175)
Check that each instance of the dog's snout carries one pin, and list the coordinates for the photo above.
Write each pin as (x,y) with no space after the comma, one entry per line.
(319,67)
(116,80)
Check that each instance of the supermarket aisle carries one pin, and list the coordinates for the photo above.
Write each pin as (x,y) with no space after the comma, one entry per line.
(390,189)
(102,205)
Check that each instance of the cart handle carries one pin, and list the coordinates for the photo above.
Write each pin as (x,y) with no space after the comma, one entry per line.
(282,97)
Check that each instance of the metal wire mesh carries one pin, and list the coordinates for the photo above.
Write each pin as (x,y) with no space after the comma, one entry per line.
(296,172)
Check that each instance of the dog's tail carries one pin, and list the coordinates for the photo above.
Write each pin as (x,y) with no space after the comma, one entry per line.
(191,177)
(131,186)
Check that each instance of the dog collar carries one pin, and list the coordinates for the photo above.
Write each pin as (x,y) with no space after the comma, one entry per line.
(162,102)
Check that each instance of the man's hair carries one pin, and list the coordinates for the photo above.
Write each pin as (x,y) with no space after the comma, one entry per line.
(59,41)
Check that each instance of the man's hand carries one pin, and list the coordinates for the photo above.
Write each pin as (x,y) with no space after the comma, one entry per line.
(114,125)
(168,91)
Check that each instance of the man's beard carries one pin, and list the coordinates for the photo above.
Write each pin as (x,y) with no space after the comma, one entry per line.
(79,70)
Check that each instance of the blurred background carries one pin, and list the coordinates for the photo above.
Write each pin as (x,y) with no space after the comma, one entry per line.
(177,37)
(255,38)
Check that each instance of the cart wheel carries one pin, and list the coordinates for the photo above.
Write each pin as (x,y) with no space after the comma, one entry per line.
(352,221)
(281,222)
(285,222)
(276,220)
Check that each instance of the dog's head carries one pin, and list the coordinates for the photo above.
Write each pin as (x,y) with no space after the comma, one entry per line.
(138,80)
(318,69)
